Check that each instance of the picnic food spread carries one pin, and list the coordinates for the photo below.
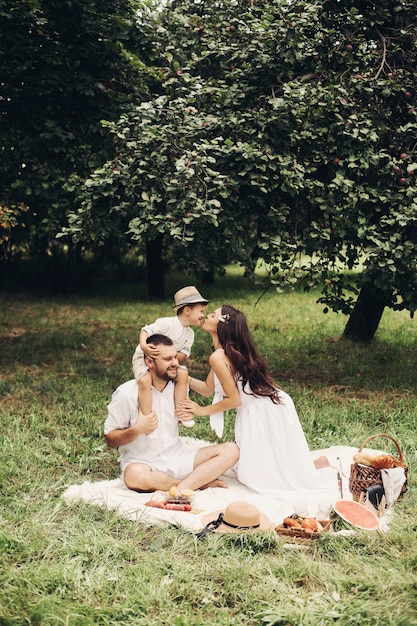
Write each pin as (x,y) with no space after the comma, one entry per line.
(345,514)
(355,514)
(174,501)
(169,506)
(308,524)
(302,527)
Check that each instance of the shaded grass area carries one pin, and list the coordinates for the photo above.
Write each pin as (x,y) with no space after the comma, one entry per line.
(61,360)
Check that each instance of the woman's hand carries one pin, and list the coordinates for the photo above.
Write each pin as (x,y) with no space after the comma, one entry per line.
(189,408)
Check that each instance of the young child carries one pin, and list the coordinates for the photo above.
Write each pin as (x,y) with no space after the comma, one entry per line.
(189,307)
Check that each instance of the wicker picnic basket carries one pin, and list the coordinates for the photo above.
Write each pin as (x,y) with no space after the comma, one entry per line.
(362,476)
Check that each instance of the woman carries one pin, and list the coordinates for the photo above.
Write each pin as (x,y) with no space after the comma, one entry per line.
(274,454)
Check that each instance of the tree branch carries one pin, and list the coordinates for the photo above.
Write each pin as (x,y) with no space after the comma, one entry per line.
(384,56)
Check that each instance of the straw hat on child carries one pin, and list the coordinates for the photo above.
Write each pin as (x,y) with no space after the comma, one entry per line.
(188,295)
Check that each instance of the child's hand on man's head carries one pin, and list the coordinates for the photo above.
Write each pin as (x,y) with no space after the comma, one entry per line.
(150,350)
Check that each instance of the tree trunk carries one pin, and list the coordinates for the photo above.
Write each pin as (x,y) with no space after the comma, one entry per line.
(155,268)
(366,315)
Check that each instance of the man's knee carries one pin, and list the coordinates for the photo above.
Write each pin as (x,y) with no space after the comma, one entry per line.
(137,477)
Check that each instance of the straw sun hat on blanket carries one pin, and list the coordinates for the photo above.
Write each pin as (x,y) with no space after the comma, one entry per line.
(237,517)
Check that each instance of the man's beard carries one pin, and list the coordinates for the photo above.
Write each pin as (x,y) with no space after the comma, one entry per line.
(166,375)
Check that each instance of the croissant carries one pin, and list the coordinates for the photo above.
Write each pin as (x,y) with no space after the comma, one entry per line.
(385,461)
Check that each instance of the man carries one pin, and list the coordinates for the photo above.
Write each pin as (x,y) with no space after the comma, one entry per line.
(149,464)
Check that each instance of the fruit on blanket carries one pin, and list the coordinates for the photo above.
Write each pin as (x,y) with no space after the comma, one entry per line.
(172,506)
(355,514)
(309,524)
(187,493)
(183,494)
(177,500)
(155,504)
(290,522)
(169,506)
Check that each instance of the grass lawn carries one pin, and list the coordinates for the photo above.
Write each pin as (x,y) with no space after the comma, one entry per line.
(62,357)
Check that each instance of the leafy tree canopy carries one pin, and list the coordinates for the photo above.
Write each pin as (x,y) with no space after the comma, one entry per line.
(65,66)
(285,131)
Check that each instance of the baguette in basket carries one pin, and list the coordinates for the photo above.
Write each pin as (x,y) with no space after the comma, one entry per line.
(381,461)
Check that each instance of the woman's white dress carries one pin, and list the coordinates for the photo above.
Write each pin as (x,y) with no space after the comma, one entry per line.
(274,453)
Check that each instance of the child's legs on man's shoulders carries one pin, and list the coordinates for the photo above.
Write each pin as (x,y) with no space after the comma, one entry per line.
(181,384)
(145,393)
(181,391)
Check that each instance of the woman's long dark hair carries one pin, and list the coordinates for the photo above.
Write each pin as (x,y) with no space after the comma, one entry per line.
(240,348)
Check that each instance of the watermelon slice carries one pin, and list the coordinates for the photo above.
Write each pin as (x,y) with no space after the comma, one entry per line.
(356,514)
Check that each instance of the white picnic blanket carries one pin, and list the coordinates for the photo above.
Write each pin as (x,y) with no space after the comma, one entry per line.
(112,494)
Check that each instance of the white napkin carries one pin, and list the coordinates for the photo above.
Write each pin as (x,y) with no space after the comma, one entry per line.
(393,481)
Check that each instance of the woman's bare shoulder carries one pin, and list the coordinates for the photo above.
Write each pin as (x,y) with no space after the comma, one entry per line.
(218,356)
(219,362)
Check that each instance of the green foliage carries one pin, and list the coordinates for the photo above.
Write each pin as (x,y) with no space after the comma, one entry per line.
(273,130)
(9,219)
(65,66)
(285,131)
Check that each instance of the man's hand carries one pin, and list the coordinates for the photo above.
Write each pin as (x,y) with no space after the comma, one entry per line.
(146,423)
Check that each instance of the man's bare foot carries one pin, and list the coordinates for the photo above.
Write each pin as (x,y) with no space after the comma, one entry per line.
(215,483)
